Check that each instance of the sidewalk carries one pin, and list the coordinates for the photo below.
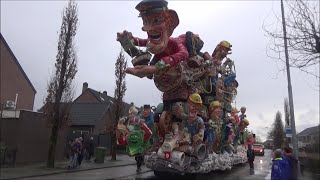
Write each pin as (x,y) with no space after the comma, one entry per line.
(40,169)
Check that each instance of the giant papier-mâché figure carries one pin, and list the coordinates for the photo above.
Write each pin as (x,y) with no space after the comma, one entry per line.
(159,23)
(178,65)
(182,72)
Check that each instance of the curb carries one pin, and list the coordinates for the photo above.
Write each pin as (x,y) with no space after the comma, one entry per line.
(68,171)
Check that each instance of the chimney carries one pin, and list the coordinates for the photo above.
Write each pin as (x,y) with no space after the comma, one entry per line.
(84,87)
(105,94)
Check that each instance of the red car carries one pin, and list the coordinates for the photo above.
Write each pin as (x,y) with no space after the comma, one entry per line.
(258,149)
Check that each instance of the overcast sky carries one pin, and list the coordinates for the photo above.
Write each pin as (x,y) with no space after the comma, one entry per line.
(31,30)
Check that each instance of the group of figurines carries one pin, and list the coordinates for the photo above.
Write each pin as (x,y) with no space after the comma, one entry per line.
(196,117)
(152,129)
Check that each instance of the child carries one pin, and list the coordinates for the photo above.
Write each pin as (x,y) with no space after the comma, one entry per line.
(279,166)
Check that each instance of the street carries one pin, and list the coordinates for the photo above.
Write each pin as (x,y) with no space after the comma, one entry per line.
(262,166)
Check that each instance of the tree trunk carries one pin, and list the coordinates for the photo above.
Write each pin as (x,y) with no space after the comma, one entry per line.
(114,131)
(52,145)
(113,146)
(54,133)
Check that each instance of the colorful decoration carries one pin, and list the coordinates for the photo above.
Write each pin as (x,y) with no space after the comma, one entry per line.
(195,129)
(243,111)
(138,140)
(135,134)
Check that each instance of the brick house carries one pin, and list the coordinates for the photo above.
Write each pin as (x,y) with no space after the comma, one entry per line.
(309,136)
(91,112)
(24,133)
(15,84)
(26,137)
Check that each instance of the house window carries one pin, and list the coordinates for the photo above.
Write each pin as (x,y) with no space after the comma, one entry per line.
(80,132)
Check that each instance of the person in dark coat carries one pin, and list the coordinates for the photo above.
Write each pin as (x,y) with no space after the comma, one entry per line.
(139,159)
(250,156)
(90,148)
(81,150)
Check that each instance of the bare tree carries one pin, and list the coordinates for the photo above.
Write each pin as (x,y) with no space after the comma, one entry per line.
(303,35)
(119,92)
(60,85)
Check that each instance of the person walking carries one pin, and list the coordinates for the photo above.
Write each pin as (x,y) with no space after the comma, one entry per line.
(73,161)
(250,156)
(81,150)
(139,159)
(280,167)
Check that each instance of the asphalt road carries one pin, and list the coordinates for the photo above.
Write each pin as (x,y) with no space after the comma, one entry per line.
(262,171)
(262,165)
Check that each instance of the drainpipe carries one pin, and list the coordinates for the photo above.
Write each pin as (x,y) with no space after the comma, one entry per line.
(15,102)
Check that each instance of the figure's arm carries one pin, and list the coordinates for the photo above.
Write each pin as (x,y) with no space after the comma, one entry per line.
(151,117)
(181,52)
(147,132)
(201,126)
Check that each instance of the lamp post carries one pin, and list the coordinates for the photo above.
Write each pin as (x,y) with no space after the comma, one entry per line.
(292,120)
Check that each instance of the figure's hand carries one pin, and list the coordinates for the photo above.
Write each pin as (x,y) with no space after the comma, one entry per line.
(197,139)
(121,35)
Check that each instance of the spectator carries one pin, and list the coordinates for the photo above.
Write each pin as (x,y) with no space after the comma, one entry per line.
(90,148)
(73,162)
(250,156)
(302,159)
(81,149)
(280,167)
(292,162)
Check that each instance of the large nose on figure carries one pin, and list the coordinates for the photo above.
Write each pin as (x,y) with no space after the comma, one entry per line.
(146,28)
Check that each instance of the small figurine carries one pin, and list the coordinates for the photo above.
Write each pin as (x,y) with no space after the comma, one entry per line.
(133,117)
(250,139)
(215,116)
(194,123)
(234,114)
(243,115)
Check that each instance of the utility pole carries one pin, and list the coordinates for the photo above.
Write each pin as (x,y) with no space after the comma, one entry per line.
(292,120)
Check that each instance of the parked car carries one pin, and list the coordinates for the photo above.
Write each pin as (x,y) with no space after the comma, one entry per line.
(258,149)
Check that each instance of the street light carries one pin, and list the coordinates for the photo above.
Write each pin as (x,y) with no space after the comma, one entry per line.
(292,120)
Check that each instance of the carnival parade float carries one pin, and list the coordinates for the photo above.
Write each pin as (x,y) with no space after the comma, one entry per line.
(195,129)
